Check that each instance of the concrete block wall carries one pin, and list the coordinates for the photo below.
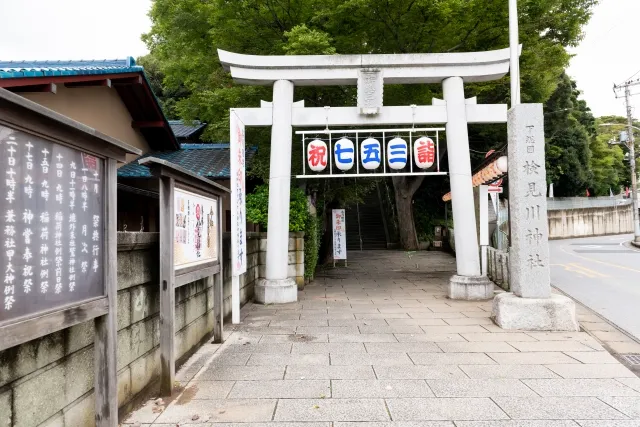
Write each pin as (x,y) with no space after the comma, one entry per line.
(567,223)
(296,256)
(49,381)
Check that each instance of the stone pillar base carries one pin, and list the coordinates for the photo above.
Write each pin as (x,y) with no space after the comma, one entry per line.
(470,288)
(557,313)
(276,291)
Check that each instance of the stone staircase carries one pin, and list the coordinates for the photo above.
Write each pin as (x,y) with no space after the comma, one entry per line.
(371,230)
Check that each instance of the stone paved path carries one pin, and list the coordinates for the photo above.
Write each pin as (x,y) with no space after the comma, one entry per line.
(378,344)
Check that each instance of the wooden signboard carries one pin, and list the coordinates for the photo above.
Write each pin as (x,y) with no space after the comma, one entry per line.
(58,258)
(190,249)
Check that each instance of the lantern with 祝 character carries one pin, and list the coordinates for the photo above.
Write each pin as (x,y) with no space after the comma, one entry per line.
(424,152)
(317,155)
(370,153)
(344,154)
(397,153)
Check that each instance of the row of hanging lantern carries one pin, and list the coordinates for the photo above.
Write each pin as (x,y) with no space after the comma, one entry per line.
(424,153)
(486,175)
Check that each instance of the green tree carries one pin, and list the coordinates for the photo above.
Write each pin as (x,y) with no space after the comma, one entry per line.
(185,35)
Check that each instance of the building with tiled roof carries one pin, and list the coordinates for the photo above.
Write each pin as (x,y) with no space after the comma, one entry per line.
(111,96)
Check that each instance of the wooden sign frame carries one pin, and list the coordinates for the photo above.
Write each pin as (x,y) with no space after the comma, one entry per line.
(169,177)
(26,116)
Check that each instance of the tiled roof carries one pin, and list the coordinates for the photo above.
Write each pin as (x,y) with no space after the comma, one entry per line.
(17,69)
(180,130)
(207,160)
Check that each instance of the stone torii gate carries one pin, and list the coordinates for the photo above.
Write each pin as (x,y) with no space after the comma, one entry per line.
(369,73)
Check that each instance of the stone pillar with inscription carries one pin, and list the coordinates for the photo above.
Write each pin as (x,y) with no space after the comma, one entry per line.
(530,305)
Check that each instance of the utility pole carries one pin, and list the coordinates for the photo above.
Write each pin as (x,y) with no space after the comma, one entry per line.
(632,152)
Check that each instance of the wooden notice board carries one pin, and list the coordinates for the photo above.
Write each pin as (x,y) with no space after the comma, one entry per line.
(58,258)
(190,249)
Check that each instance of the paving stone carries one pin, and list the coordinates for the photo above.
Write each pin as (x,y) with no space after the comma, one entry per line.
(398,424)
(444,409)
(592,371)
(298,322)
(624,347)
(592,357)
(610,336)
(561,336)
(271,339)
(476,347)
(360,322)
(379,388)
(551,346)
(381,316)
(264,359)
(508,371)
(416,322)
(331,410)
(284,389)
(557,408)
(244,373)
(329,316)
(332,330)
(463,387)
(536,358)
(451,359)
(478,313)
(440,315)
(469,321)
(218,410)
(453,329)
(580,387)
(208,389)
(377,359)
(485,337)
(330,372)
(597,326)
(425,372)
(519,423)
(270,424)
(328,348)
(609,423)
(634,383)
(630,406)
(394,329)
(362,338)
(429,337)
(258,348)
(408,347)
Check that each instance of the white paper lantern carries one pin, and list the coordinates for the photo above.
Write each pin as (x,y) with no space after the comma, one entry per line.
(317,155)
(397,153)
(424,152)
(344,154)
(370,153)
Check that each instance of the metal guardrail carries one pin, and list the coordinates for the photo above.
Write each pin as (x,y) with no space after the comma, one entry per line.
(558,203)
(498,267)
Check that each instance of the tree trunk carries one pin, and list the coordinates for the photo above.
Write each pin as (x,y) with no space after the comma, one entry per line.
(405,187)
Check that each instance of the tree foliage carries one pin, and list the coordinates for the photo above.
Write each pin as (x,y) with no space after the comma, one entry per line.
(258,208)
(186,34)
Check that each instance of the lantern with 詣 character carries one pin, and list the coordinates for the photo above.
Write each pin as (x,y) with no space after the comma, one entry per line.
(424,152)
(370,153)
(317,155)
(397,153)
(344,154)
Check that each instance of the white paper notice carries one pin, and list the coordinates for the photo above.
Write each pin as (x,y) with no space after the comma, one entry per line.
(339,234)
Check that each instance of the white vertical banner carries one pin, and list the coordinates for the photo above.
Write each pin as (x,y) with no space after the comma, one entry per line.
(238,211)
(339,234)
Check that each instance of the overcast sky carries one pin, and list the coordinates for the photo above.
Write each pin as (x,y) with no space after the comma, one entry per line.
(92,29)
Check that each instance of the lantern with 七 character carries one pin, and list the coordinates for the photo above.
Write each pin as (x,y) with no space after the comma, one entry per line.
(370,153)
(317,155)
(424,152)
(397,153)
(344,154)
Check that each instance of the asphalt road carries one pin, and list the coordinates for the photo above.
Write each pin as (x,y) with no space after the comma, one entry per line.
(602,273)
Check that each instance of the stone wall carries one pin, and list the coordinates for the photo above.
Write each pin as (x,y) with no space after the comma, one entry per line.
(567,223)
(296,256)
(49,381)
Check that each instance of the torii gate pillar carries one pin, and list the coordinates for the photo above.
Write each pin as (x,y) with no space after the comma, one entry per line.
(276,287)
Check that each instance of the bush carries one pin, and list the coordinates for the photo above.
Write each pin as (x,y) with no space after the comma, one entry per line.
(258,208)
(312,238)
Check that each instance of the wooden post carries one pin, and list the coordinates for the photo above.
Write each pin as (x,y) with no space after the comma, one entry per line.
(167,292)
(105,382)
(218,286)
